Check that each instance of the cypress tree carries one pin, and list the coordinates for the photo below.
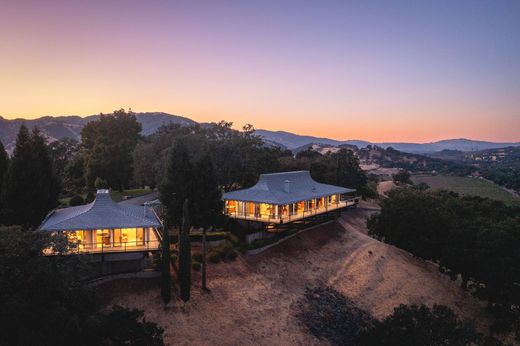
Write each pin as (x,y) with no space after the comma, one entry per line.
(31,187)
(208,202)
(166,281)
(177,184)
(207,194)
(185,255)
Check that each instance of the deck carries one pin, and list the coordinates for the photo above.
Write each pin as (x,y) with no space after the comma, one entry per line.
(298,216)
(100,248)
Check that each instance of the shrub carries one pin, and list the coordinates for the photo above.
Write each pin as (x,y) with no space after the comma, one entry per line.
(196,266)
(100,183)
(197,256)
(214,257)
(232,255)
(76,200)
(90,197)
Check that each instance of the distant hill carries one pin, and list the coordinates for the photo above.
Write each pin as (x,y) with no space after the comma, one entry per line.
(295,141)
(55,128)
(70,127)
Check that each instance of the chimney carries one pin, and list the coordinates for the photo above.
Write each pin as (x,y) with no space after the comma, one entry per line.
(287,186)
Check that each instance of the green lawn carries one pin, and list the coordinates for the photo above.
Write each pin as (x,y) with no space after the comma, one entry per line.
(467,186)
(116,195)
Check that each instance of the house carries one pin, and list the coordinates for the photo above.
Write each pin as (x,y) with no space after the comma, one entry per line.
(279,198)
(104,226)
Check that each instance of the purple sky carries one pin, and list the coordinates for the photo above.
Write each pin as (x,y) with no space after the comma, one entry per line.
(388,70)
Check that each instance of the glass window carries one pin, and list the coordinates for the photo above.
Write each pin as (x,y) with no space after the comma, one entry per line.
(117,237)
(103,238)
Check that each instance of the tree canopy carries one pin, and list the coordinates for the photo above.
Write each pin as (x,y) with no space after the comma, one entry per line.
(31,187)
(109,143)
(44,300)
(471,237)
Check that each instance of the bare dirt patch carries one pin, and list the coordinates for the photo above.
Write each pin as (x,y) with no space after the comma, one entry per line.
(384,186)
(253,300)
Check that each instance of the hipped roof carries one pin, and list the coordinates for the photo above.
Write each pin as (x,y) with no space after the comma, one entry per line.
(272,189)
(102,213)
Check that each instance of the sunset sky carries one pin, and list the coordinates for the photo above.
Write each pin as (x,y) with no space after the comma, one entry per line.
(380,71)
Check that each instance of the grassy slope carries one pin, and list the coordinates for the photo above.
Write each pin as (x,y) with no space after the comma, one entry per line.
(467,186)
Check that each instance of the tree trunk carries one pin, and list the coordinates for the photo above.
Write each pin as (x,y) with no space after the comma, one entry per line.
(204,287)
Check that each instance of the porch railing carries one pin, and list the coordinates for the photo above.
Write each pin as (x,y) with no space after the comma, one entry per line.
(101,247)
(269,218)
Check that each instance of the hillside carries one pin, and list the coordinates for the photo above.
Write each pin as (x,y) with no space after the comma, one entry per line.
(295,141)
(70,126)
(254,299)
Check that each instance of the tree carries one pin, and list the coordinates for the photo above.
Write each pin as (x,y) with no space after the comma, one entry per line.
(109,143)
(402,177)
(422,326)
(49,294)
(74,173)
(177,185)
(62,152)
(30,187)
(4,165)
(206,193)
(348,172)
(101,183)
(185,255)
(474,238)
(166,280)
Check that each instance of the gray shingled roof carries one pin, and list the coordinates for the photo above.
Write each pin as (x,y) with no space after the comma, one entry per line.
(271,188)
(103,212)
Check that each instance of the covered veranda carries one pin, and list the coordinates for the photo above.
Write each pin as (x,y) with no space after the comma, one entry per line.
(104,226)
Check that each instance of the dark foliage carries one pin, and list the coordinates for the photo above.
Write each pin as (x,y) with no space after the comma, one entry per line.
(43,300)
(62,152)
(207,195)
(109,143)
(166,280)
(421,326)
(185,254)
(4,165)
(402,177)
(30,188)
(471,237)
(177,184)
(76,200)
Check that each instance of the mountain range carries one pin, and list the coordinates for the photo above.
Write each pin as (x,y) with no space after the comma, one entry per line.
(59,127)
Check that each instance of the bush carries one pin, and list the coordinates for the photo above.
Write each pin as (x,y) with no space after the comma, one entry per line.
(100,183)
(76,200)
(90,197)
(196,266)
(214,257)
(197,256)
(232,255)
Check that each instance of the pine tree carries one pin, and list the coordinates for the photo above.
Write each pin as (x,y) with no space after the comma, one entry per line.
(166,281)
(31,187)
(4,165)
(185,255)
(177,184)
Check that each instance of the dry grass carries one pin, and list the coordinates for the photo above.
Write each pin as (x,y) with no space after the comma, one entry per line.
(253,300)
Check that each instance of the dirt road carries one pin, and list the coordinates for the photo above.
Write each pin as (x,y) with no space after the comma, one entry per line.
(253,299)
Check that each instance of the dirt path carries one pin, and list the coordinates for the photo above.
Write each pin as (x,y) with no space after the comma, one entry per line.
(252,300)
